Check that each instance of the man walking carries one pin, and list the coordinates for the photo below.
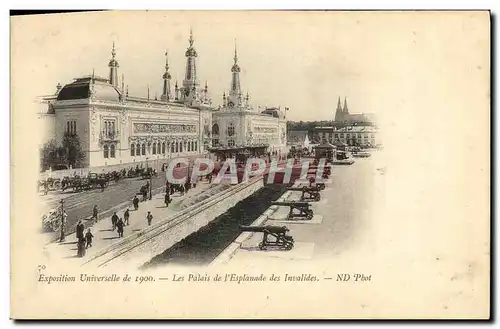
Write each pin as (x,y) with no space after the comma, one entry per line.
(79,230)
(167,199)
(114,220)
(94,212)
(120,225)
(126,217)
(149,217)
(88,238)
(136,202)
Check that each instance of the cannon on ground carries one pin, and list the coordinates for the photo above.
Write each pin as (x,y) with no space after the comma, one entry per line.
(313,183)
(308,193)
(303,208)
(281,239)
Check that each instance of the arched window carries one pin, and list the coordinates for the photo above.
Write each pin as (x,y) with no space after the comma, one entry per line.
(172,147)
(189,146)
(215,129)
(112,151)
(163,148)
(154,148)
(215,142)
(143,149)
(230,129)
(132,150)
(67,127)
(230,143)
(196,145)
(176,147)
(106,151)
(180,146)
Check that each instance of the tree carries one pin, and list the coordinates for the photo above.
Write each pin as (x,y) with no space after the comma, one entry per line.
(69,152)
(49,154)
(72,152)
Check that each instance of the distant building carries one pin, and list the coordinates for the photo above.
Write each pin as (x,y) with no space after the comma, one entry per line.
(348,135)
(344,118)
(297,137)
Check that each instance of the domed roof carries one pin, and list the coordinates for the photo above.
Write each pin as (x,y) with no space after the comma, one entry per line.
(82,87)
(274,112)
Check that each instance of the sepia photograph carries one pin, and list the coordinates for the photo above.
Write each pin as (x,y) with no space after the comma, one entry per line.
(250,165)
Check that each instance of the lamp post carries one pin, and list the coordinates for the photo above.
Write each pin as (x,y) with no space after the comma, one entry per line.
(150,172)
(62,238)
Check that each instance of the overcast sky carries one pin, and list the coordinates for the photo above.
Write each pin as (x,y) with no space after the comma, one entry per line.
(302,60)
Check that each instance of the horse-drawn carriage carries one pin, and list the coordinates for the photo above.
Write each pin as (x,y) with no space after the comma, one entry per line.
(90,182)
(149,173)
(49,184)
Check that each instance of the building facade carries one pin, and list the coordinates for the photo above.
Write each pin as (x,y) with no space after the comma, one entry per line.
(350,135)
(236,123)
(115,128)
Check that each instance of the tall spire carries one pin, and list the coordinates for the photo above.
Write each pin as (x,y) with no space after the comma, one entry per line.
(235,53)
(123,82)
(339,113)
(191,39)
(346,110)
(235,91)
(113,68)
(190,83)
(167,94)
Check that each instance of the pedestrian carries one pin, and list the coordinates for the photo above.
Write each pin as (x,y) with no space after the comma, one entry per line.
(79,230)
(126,216)
(114,220)
(119,225)
(167,199)
(149,217)
(88,238)
(94,212)
(81,247)
(144,195)
(136,202)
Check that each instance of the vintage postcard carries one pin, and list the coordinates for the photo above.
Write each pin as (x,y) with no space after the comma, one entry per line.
(250,165)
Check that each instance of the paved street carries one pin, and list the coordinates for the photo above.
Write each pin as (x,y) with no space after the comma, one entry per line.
(104,236)
(115,196)
(79,205)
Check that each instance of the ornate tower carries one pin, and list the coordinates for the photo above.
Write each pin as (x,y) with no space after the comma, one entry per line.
(190,83)
(167,94)
(234,97)
(113,68)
